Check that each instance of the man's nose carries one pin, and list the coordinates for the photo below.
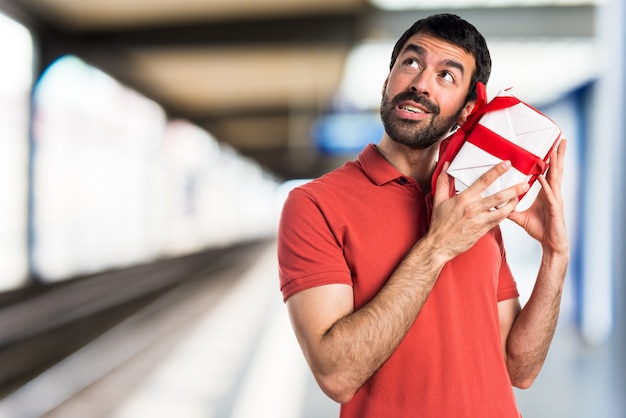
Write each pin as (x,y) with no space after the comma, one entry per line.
(422,83)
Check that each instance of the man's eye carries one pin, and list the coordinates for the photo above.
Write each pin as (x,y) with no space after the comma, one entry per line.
(447,76)
(411,62)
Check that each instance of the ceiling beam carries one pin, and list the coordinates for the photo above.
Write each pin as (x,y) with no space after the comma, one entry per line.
(320,28)
(510,22)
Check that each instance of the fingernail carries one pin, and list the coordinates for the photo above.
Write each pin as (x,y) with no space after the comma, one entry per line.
(506,164)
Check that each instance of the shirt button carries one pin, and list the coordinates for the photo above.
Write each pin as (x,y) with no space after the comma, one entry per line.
(403,180)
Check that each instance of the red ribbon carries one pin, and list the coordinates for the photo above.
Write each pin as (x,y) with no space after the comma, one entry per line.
(523,160)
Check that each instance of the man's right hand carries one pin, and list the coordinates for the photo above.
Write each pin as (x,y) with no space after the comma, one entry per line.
(461,220)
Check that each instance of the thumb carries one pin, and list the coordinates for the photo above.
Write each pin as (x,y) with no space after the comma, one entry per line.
(518,217)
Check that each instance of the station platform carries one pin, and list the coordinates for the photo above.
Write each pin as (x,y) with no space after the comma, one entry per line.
(235,356)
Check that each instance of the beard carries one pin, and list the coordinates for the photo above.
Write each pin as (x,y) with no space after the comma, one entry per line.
(416,134)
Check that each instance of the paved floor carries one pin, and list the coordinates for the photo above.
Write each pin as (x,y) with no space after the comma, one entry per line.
(241,360)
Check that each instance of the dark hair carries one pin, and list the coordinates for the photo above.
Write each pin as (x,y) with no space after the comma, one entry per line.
(451,28)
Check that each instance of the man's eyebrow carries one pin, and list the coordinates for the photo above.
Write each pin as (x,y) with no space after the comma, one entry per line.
(414,48)
(417,49)
(455,64)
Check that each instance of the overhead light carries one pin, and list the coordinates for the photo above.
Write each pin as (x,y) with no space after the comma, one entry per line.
(465,4)
(365,71)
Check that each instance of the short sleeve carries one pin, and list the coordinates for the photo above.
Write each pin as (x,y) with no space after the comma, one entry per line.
(309,254)
(507,287)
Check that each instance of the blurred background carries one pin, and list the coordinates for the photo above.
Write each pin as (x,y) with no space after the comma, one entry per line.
(145,151)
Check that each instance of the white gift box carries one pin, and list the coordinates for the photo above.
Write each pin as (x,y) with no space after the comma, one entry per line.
(518,133)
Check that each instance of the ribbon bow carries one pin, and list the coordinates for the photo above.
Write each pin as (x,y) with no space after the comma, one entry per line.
(523,160)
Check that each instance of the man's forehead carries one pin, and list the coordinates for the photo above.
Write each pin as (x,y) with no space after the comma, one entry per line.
(425,44)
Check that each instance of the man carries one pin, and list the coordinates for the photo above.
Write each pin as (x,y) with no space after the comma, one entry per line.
(403,302)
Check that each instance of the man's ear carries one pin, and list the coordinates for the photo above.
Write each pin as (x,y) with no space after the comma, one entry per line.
(384,86)
(467,110)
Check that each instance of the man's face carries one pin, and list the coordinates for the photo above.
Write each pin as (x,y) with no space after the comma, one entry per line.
(424,95)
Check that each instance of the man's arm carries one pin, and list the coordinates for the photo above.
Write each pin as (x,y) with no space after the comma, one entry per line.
(344,347)
(531,332)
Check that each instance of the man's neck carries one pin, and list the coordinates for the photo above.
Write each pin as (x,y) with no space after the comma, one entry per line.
(416,163)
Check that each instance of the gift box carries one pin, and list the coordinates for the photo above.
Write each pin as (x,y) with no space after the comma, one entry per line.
(503,129)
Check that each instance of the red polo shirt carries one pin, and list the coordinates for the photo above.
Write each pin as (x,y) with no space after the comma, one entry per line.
(353,226)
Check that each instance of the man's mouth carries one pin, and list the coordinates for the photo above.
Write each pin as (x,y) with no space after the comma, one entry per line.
(412,109)
(412,103)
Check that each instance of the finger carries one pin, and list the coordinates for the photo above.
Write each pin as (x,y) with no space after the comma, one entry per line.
(489,177)
(443,184)
(506,196)
(554,176)
(551,193)
(557,160)
(561,149)
(504,210)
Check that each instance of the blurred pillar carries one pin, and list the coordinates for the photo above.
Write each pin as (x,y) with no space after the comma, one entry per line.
(614,14)
(601,179)
(605,190)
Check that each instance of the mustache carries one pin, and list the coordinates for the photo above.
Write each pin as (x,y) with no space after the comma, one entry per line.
(419,99)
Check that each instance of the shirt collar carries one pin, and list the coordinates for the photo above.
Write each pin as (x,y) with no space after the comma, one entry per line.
(376,167)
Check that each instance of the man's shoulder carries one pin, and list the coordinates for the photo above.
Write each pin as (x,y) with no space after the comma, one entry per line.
(338,179)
